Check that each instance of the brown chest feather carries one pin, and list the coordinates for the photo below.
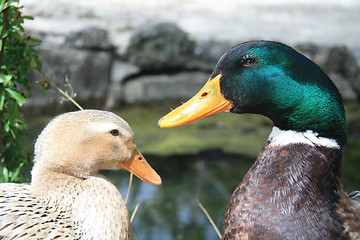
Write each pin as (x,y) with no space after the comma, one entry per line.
(293,192)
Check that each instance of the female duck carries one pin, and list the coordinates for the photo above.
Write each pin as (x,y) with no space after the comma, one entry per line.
(67,197)
(294,189)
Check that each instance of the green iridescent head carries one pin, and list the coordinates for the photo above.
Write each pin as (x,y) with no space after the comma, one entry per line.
(274,80)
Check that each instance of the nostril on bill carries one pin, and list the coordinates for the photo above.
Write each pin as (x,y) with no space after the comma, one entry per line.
(204,94)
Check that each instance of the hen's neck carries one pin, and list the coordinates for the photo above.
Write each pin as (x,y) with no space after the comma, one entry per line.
(93,203)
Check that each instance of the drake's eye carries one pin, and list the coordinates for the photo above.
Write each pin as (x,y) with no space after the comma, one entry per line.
(114,132)
(249,62)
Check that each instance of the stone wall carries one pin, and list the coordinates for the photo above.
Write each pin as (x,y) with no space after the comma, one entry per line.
(161,63)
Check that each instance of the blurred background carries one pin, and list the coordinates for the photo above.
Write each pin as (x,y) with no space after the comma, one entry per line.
(140,58)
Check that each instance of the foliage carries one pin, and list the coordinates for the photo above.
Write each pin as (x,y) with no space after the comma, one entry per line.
(17,57)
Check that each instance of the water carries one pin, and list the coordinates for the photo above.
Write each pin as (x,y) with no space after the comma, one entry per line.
(171,211)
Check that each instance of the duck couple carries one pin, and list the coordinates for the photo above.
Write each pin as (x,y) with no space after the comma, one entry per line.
(293,190)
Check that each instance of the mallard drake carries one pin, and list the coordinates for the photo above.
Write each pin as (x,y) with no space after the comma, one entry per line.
(67,197)
(294,188)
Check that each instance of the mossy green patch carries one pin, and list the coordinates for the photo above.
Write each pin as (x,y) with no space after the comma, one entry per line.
(234,133)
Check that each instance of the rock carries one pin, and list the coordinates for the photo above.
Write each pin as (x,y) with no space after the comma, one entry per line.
(159,46)
(206,54)
(164,87)
(341,61)
(340,64)
(90,38)
(310,50)
(119,72)
(87,71)
(355,80)
(161,63)
(347,91)
(164,46)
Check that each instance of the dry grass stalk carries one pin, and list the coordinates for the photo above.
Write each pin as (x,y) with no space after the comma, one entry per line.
(209,217)
(132,218)
(129,187)
(66,94)
(134,212)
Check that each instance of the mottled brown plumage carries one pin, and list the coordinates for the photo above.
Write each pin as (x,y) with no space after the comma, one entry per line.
(293,192)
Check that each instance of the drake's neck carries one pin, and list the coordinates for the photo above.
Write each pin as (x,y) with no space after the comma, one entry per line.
(280,137)
(299,162)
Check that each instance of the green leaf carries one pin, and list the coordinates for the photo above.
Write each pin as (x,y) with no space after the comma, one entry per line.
(16,35)
(17,96)
(6,127)
(4,34)
(2,100)
(33,63)
(12,133)
(5,174)
(28,17)
(5,79)
(20,56)
(4,5)
(15,174)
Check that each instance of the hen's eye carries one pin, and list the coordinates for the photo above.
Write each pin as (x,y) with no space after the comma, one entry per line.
(114,132)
